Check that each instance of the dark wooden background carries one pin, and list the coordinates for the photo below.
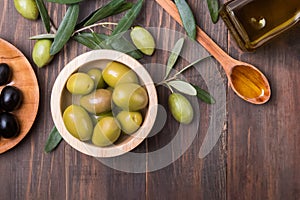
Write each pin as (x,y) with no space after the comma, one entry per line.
(256,157)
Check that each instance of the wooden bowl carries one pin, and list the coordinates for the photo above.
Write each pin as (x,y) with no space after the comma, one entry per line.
(61,98)
(24,78)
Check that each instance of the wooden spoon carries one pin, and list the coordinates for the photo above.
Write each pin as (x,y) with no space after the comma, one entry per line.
(246,81)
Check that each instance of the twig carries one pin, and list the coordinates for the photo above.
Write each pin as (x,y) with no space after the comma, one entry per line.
(193,63)
(95,25)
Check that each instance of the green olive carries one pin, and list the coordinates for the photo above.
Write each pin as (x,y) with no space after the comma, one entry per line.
(106,132)
(80,83)
(98,117)
(96,75)
(181,108)
(27,8)
(41,52)
(130,96)
(130,121)
(143,40)
(97,102)
(78,122)
(116,73)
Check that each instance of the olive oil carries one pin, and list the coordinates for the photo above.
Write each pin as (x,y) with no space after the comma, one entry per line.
(254,22)
(248,83)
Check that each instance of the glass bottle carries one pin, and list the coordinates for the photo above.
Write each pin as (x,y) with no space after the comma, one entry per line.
(254,22)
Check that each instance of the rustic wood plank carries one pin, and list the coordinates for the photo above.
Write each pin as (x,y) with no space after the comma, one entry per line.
(189,177)
(26,171)
(263,141)
(257,159)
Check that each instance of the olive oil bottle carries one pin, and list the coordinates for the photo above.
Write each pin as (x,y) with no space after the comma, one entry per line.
(254,22)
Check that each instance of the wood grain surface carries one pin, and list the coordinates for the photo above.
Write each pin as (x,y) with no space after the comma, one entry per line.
(23,78)
(256,157)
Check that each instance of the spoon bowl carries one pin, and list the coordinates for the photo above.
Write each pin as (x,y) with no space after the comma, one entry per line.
(246,80)
(249,83)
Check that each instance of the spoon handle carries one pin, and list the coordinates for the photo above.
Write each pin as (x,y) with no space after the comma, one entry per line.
(226,61)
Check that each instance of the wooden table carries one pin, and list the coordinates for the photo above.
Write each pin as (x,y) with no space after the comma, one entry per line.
(256,157)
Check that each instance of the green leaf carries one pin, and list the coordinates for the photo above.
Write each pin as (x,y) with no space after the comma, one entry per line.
(65,29)
(126,22)
(43,36)
(123,45)
(44,14)
(174,56)
(92,40)
(187,18)
(204,95)
(183,87)
(53,140)
(65,1)
(102,12)
(86,41)
(124,7)
(213,7)
(98,41)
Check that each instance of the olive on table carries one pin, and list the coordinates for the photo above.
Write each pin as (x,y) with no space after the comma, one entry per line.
(130,121)
(80,83)
(96,75)
(10,98)
(78,122)
(130,96)
(27,8)
(181,108)
(5,73)
(106,132)
(116,73)
(9,125)
(143,40)
(97,102)
(41,52)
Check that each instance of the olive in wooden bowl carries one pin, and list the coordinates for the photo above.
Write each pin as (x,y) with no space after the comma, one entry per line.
(104,103)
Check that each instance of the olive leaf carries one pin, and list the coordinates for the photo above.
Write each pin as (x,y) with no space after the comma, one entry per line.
(213,7)
(123,45)
(126,22)
(174,56)
(187,18)
(65,1)
(100,40)
(183,87)
(119,44)
(44,14)
(65,29)
(43,36)
(97,41)
(204,95)
(86,40)
(102,12)
(53,140)
(124,7)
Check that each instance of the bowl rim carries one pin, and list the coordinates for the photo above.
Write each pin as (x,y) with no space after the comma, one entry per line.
(56,102)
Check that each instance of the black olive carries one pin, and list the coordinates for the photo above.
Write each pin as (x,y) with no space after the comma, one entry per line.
(9,125)
(5,73)
(10,98)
